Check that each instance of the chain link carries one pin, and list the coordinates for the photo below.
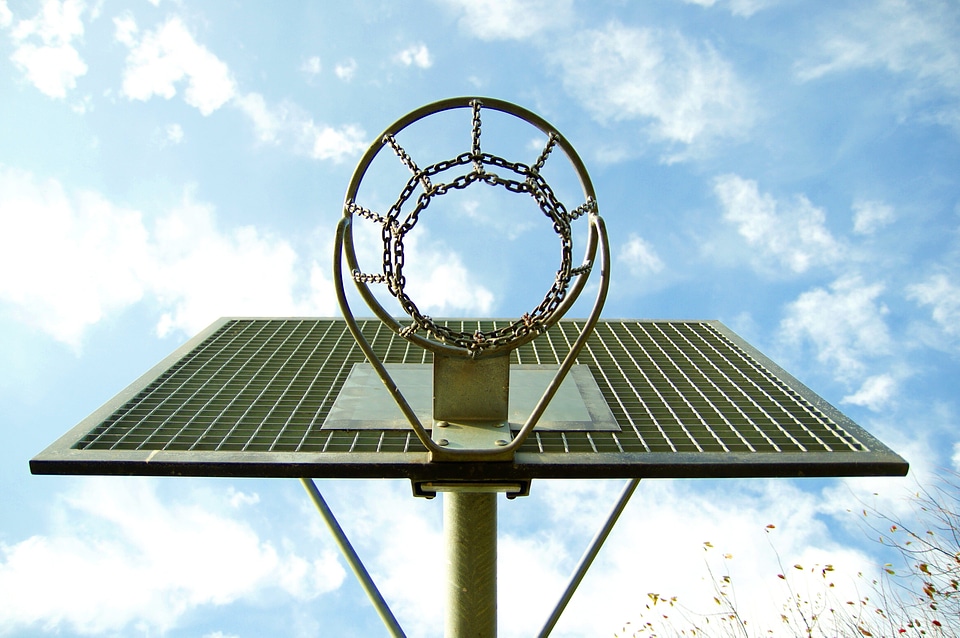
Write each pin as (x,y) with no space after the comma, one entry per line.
(407,160)
(366,213)
(475,136)
(367,278)
(551,142)
(588,207)
(393,232)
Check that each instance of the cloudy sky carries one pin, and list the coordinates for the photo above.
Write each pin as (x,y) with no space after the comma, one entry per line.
(790,169)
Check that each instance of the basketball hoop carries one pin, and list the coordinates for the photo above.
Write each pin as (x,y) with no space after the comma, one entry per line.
(288,397)
(471,369)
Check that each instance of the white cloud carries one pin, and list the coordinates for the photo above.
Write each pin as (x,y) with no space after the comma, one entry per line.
(511,19)
(875,394)
(913,39)
(82,105)
(173,134)
(123,558)
(870,216)
(640,257)
(54,64)
(902,37)
(79,258)
(684,89)
(438,281)
(794,233)
(346,69)
(125,30)
(167,56)
(534,573)
(6,18)
(506,218)
(267,123)
(942,295)
(400,540)
(75,258)
(844,323)
(53,70)
(311,66)
(638,557)
(328,143)
(744,8)
(202,273)
(415,55)
(57,22)
(542,536)
(239,499)
(287,121)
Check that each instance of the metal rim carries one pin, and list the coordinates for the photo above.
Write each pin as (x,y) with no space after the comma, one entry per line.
(557,301)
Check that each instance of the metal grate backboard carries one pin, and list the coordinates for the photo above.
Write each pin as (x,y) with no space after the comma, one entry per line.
(248,397)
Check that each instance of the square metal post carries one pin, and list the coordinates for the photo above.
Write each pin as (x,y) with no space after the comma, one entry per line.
(471,389)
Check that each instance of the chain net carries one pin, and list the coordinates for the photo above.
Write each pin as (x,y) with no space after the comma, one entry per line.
(427,186)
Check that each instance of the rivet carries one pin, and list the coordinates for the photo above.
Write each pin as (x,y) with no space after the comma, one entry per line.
(443,442)
(442,424)
(501,442)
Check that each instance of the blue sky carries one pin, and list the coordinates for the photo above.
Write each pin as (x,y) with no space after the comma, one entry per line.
(788,168)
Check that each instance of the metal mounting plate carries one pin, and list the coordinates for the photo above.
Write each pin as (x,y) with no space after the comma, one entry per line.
(364,404)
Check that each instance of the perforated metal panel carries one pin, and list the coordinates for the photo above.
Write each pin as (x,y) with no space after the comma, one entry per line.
(248,397)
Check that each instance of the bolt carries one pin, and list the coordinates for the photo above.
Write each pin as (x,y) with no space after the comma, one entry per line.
(442,424)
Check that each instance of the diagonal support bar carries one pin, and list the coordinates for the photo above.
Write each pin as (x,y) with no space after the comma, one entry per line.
(354,560)
(587,559)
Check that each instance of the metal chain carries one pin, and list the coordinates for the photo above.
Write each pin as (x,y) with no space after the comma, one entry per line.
(475,136)
(367,278)
(588,207)
(366,213)
(407,160)
(393,231)
(551,142)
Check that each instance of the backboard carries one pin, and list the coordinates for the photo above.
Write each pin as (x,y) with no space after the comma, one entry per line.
(252,397)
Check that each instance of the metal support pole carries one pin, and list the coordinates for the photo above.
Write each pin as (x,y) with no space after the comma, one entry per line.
(354,560)
(587,559)
(470,534)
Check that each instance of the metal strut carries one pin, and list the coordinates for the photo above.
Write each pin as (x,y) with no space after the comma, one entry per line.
(587,559)
(472,563)
(354,560)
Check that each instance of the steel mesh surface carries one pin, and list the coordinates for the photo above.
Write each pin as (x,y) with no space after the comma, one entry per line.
(267,385)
